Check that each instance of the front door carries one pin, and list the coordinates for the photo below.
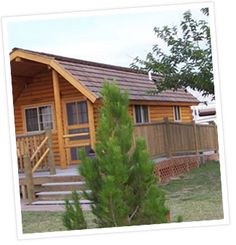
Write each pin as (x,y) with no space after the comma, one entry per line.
(76,129)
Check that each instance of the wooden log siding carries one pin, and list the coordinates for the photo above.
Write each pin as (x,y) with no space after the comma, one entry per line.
(182,137)
(159,112)
(39,91)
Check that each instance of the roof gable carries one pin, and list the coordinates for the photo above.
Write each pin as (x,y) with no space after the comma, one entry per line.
(50,61)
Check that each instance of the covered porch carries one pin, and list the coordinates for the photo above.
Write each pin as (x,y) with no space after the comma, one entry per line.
(53,113)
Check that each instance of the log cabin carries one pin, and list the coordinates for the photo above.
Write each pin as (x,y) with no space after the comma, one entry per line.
(62,94)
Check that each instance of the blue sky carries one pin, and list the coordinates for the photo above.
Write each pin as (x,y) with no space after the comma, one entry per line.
(113,37)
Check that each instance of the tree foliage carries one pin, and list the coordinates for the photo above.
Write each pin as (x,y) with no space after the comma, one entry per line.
(73,218)
(187,59)
(123,186)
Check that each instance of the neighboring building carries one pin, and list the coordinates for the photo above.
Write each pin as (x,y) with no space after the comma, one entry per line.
(60,93)
(204,113)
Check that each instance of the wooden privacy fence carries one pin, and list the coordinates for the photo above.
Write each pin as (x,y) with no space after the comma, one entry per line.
(173,138)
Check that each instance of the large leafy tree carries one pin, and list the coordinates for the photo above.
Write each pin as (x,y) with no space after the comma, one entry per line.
(186,61)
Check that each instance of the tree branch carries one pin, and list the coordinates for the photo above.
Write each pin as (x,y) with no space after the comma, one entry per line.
(133,214)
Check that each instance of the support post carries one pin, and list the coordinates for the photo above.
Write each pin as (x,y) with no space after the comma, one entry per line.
(23,191)
(216,139)
(51,162)
(168,138)
(57,100)
(91,124)
(29,179)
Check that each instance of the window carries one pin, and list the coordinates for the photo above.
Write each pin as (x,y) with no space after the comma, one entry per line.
(141,113)
(177,114)
(38,118)
(77,113)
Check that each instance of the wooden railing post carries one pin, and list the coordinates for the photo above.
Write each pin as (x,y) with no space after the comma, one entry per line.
(51,162)
(195,138)
(168,137)
(29,179)
(216,138)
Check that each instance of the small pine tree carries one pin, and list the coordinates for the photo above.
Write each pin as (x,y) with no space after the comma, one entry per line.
(123,186)
(73,218)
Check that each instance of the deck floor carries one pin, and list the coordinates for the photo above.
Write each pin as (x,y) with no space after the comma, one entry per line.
(73,169)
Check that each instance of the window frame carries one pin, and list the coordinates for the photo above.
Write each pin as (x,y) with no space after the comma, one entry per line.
(177,112)
(37,106)
(142,114)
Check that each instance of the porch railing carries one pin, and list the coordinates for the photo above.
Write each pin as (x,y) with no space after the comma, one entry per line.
(34,152)
(37,149)
(173,138)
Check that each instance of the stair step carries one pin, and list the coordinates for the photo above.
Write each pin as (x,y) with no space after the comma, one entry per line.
(46,193)
(60,202)
(61,186)
(64,183)
(56,195)
(53,179)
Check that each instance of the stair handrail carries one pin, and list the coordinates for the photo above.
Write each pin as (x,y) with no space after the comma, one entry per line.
(48,151)
(39,148)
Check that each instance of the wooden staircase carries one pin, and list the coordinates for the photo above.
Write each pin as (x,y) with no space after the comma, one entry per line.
(40,181)
(54,189)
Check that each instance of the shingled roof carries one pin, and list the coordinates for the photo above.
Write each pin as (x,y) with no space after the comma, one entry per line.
(137,83)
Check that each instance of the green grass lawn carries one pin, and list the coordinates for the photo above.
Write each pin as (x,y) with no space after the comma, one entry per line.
(194,196)
(38,221)
(42,221)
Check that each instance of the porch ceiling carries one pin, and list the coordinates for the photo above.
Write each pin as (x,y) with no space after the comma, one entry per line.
(26,68)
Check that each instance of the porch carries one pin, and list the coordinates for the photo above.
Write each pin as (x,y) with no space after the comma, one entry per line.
(46,97)
(174,147)
(164,139)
